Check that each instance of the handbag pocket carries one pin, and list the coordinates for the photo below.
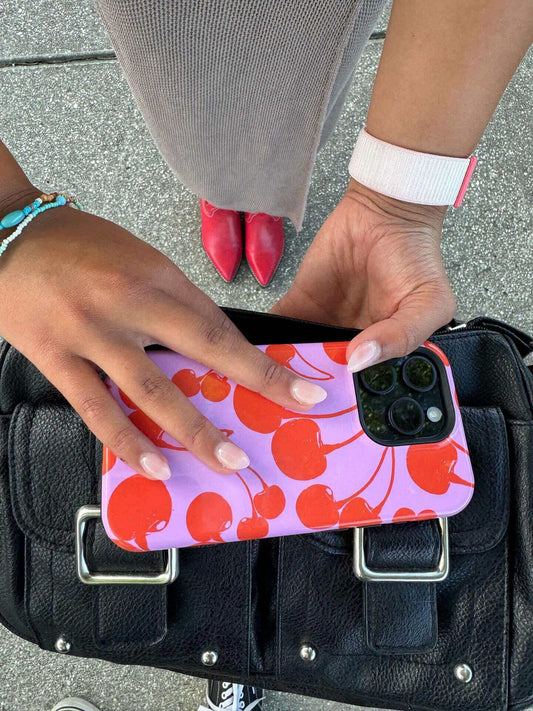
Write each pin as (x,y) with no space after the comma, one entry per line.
(54,468)
(320,603)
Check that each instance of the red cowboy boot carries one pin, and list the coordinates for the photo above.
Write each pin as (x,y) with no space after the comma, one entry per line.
(263,244)
(222,238)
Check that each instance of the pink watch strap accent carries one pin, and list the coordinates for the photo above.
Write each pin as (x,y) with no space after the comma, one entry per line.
(466,181)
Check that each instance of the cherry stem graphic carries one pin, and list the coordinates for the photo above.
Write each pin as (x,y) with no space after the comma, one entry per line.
(263,482)
(459,447)
(327,448)
(365,486)
(377,509)
(254,512)
(315,367)
(161,442)
(456,479)
(310,377)
(289,414)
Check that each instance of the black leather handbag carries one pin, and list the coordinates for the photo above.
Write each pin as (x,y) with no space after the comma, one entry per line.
(289,613)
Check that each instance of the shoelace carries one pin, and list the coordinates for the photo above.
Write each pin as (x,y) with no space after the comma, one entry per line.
(251,706)
(233,700)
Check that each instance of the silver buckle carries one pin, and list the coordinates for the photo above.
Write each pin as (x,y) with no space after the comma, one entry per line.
(164,578)
(363,572)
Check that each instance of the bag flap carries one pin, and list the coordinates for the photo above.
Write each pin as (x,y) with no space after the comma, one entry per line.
(54,466)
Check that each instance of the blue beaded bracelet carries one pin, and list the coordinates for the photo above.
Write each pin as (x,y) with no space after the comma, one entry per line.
(27,216)
(16,217)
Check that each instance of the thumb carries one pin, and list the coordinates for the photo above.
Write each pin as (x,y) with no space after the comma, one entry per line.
(416,318)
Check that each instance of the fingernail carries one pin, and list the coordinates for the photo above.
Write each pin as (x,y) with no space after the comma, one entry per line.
(155,466)
(307,393)
(231,456)
(364,355)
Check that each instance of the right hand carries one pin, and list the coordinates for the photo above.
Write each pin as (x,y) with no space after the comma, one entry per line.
(78,291)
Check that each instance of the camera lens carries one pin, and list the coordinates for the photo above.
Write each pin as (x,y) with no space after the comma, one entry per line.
(379,379)
(419,373)
(406,416)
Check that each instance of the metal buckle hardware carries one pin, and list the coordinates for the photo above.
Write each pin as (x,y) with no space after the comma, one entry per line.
(363,572)
(164,578)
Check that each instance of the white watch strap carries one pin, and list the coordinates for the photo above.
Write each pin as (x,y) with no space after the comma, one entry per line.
(401,173)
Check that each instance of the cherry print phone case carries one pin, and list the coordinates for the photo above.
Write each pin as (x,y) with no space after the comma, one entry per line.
(310,471)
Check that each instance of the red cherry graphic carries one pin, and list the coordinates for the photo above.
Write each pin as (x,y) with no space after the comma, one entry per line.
(127,401)
(151,429)
(262,415)
(108,460)
(283,353)
(207,516)
(427,513)
(316,507)
(215,387)
(336,351)
(298,449)
(270,502)
(255,527)
(187,381)
(125,545)
(404,514)
(431,466)
(138,506)
(358,510)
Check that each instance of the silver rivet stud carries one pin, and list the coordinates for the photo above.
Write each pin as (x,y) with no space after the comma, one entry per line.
(62,645)
(307,653)
(463,673)
(209,658)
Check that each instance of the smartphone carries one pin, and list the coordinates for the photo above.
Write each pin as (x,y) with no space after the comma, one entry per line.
(386,445)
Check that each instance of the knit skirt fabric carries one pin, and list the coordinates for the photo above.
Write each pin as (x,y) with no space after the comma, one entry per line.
(239,95)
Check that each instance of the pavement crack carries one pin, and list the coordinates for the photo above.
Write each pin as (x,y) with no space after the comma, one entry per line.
(73,58)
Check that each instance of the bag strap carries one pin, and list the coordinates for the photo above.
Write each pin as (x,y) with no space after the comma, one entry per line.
(126,618)
(401,617)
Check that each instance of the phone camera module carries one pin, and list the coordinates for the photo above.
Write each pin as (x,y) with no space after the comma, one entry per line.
(419,373)
(379,379)
(406,416)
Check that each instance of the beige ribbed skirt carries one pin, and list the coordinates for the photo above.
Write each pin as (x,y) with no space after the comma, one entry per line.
(239,95)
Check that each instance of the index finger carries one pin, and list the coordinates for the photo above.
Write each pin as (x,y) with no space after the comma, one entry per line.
(217,343)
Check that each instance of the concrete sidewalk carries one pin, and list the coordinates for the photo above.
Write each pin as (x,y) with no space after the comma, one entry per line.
(67,114)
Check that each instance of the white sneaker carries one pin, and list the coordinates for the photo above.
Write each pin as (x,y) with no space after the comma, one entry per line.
(73,703)
(224,696)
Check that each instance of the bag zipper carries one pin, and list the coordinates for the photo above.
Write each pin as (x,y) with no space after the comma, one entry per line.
(522,340)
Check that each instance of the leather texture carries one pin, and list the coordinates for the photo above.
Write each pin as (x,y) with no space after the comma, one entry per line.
(256,603)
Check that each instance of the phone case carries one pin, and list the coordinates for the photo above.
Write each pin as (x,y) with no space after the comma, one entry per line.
(308,471)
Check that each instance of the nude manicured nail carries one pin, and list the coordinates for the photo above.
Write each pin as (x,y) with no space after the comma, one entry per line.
(231,456)
(307,393)
(155,466)
(364,356)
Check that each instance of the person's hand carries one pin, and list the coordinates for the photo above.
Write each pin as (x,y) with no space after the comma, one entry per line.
(79,292)
(376,265)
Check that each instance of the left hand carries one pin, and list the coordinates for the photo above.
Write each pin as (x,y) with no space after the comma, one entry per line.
(376,265)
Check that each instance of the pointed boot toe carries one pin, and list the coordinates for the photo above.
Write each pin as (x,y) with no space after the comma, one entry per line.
(222,238)
(264,239)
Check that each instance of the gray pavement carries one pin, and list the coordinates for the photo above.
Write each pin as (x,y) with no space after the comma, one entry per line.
(79,130)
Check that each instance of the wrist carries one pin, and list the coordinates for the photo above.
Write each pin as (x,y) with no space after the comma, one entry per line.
(394,209)
(17,198)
